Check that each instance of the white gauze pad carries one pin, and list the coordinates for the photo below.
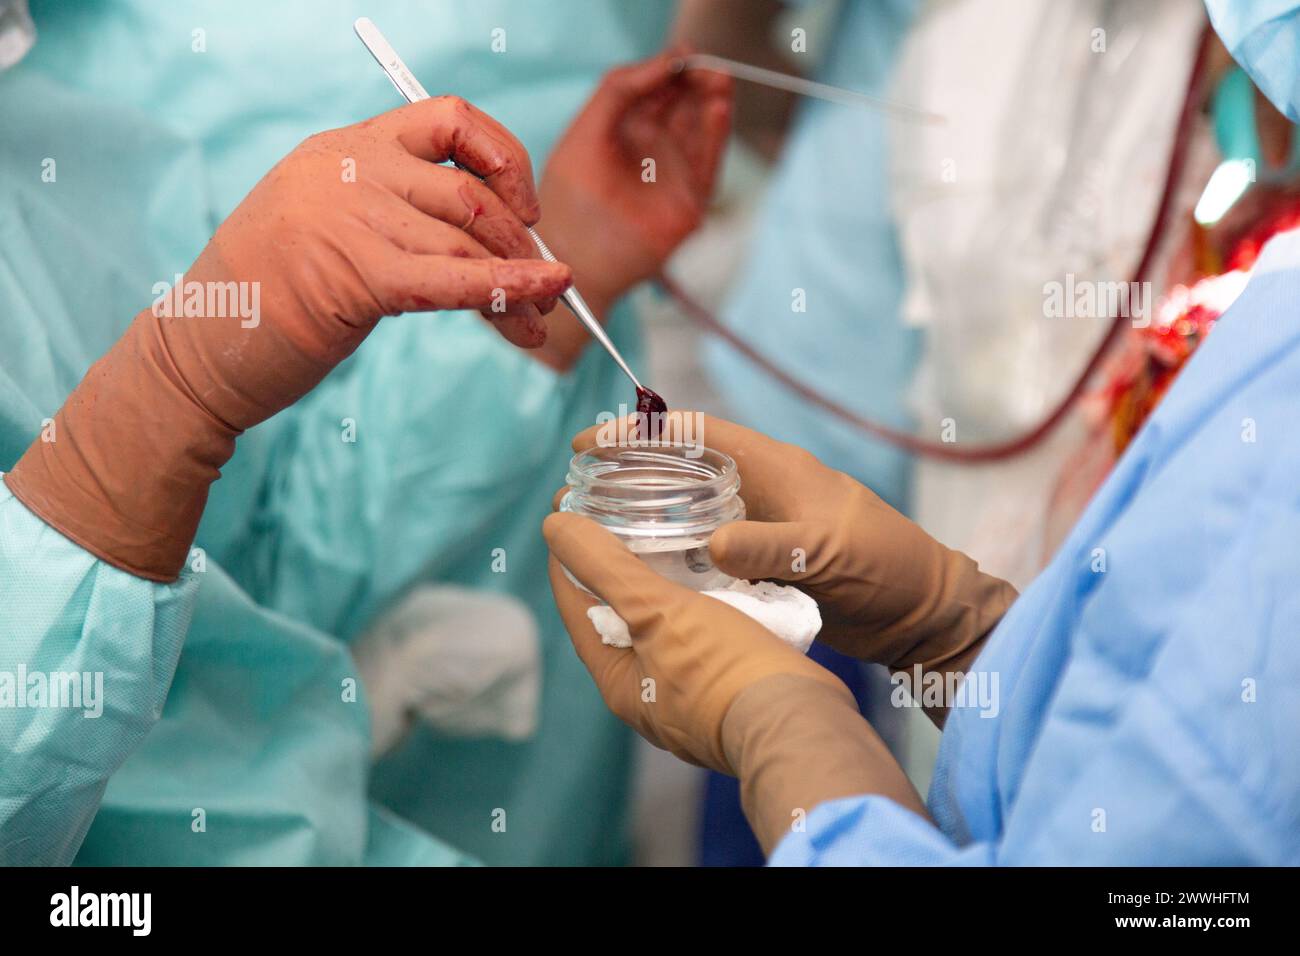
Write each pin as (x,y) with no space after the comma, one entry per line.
(785,611)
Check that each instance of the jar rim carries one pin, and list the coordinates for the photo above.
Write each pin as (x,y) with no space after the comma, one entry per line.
(687,489)
(723,468)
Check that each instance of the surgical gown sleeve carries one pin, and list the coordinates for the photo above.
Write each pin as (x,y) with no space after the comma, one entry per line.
(1148,683)
(65,612)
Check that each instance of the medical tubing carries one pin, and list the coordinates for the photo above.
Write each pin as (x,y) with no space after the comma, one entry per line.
(997,451)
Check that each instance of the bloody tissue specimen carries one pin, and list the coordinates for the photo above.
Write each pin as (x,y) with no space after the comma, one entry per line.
(650,408)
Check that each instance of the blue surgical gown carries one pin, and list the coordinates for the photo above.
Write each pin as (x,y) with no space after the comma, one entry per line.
(233,733)
(1150,677)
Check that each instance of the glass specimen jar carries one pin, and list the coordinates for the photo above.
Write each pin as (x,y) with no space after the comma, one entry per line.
(663,501)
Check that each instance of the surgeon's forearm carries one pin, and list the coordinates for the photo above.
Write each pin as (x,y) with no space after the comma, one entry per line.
(125,467)
(796,743)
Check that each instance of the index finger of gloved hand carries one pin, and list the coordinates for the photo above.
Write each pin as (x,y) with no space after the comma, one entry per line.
(709,82)
(417,283)
(558,497)
(448,127)
(521,324)
(609,666)
(455,197)
(461,200)
(610,571)
(414,232)
(762,549)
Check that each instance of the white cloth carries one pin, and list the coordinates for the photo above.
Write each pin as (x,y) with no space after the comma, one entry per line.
(466,662)
(785,611)
(17,32)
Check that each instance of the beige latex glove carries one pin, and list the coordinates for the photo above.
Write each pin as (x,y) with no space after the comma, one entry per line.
(353,225)
(713,686)
(888,592)
(690,653)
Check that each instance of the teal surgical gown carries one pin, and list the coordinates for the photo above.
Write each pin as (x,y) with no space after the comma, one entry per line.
(233,729)
(1149,679)
(821,288)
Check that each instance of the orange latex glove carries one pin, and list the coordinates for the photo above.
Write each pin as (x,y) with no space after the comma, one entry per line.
(353,225)
(888,592)
(603,217)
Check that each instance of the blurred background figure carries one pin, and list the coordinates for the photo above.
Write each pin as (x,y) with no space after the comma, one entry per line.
(1141,158)
(819,279)
(1094,151)
(1048,173)
(1052,169)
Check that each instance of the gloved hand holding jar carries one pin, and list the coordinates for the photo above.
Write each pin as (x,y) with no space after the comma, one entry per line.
(716,688)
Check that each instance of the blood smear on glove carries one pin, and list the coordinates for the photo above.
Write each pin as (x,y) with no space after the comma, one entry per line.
(650,408)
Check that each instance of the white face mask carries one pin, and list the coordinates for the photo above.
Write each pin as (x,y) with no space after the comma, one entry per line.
(17,32)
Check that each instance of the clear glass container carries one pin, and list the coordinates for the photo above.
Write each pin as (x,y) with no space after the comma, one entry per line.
(663,501)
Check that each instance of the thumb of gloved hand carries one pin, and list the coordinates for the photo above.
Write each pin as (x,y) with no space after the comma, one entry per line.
(465,662)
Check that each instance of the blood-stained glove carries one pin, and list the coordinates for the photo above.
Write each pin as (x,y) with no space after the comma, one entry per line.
(641,159)
(353,225)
